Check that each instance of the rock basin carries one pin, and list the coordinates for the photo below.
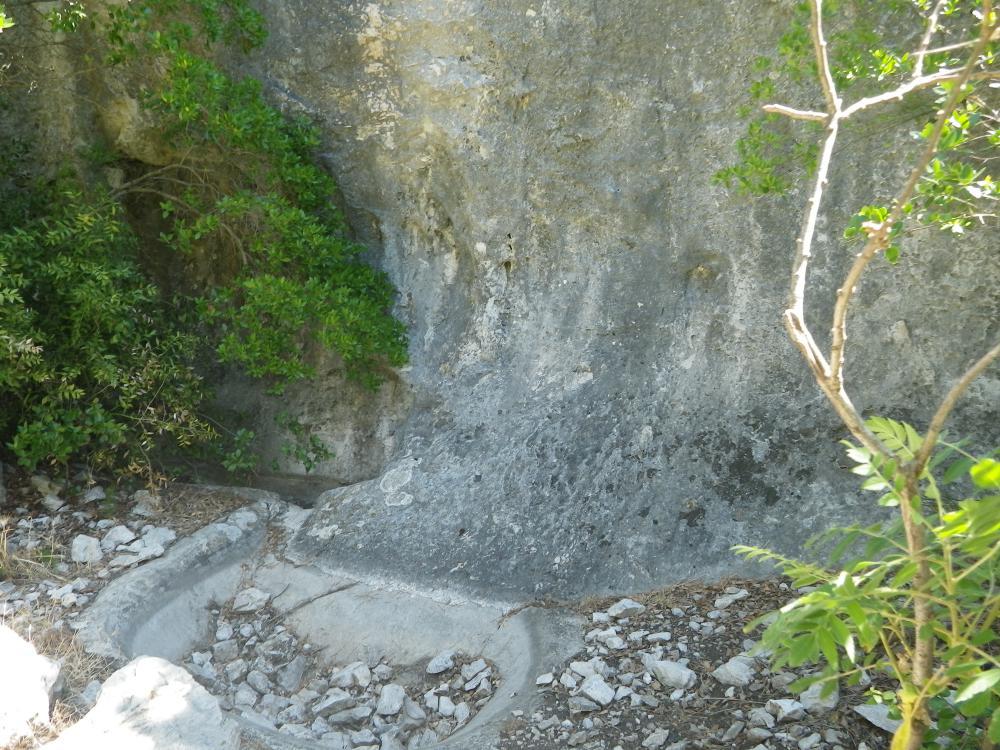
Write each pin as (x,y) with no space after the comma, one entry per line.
(164,609)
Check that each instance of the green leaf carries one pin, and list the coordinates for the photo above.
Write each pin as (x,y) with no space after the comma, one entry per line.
(986,473)
(983,682)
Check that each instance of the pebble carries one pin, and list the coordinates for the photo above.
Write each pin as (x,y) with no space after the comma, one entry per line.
(85,550)
(250,600)
(625,608)
(441,663)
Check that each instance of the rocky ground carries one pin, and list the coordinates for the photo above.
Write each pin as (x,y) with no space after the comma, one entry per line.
(671,669)
(674,670)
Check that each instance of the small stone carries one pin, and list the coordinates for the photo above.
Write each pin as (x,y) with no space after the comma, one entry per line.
(336,741)
(116,535)
(292,714)
(85,550)
(661,637)
(245,696)
(545,679)
(672,674)
(471,670)
(250,600)
(225,651)
(446,707)
(224,632)
(733,731)
(290,676)
(724,601)
(815,702)
(236,670)
(350,716)
(657,739)
(355,673)
(595,688)
(579,704)
(878,714)
(441,663)
(758,717)
(259,681)
(567,681)
(625,608)
(737,672)
(462,712)
(785,709)
(336,699)
(810,742)
(390,700)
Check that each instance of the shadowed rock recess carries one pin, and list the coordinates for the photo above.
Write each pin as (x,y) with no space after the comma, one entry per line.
(601,395)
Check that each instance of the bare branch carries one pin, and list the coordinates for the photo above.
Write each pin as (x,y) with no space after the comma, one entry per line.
(879,238)
(932,23)
(947,405)
(822,58)
(917,84)
(796,114)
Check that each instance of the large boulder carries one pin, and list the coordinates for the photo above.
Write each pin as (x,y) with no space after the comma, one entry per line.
(26,688)
(150,704)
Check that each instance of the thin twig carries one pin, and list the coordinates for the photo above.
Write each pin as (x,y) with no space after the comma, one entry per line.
(796,114)
(947,405)
(925,42)
(879,238)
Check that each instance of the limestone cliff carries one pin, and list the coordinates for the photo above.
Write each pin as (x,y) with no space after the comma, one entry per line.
(601,394)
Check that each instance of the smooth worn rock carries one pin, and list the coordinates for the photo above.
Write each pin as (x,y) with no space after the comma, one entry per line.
(150,704)
(572,330)
(26,687)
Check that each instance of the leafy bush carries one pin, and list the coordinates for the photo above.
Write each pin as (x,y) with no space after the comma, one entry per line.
(89,354)
(920,601)
(858,616)
(93,361)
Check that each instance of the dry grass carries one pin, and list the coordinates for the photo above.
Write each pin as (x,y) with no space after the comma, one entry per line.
(27,565)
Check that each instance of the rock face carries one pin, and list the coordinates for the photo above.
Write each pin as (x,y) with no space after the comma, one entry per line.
(601,394)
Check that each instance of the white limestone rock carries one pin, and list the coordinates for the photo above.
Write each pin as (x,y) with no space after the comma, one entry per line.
(85,550)
(625,608)
(737,672)
(26,687)
(152,703)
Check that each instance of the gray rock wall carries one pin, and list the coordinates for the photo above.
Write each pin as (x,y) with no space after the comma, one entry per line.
(601,394)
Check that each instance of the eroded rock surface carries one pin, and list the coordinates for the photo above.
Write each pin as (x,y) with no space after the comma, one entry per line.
(601,394)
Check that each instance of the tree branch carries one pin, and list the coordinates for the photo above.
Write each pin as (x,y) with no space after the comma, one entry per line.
(822,58)
(917,84)
(878,239)
(796,114)
(925,42)
(946,407)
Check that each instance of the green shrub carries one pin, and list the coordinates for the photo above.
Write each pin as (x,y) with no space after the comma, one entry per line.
(90,356)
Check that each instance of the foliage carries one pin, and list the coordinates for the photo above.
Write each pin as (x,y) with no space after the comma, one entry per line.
(858,615)
(271,269)
(89,356)
(918,597)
